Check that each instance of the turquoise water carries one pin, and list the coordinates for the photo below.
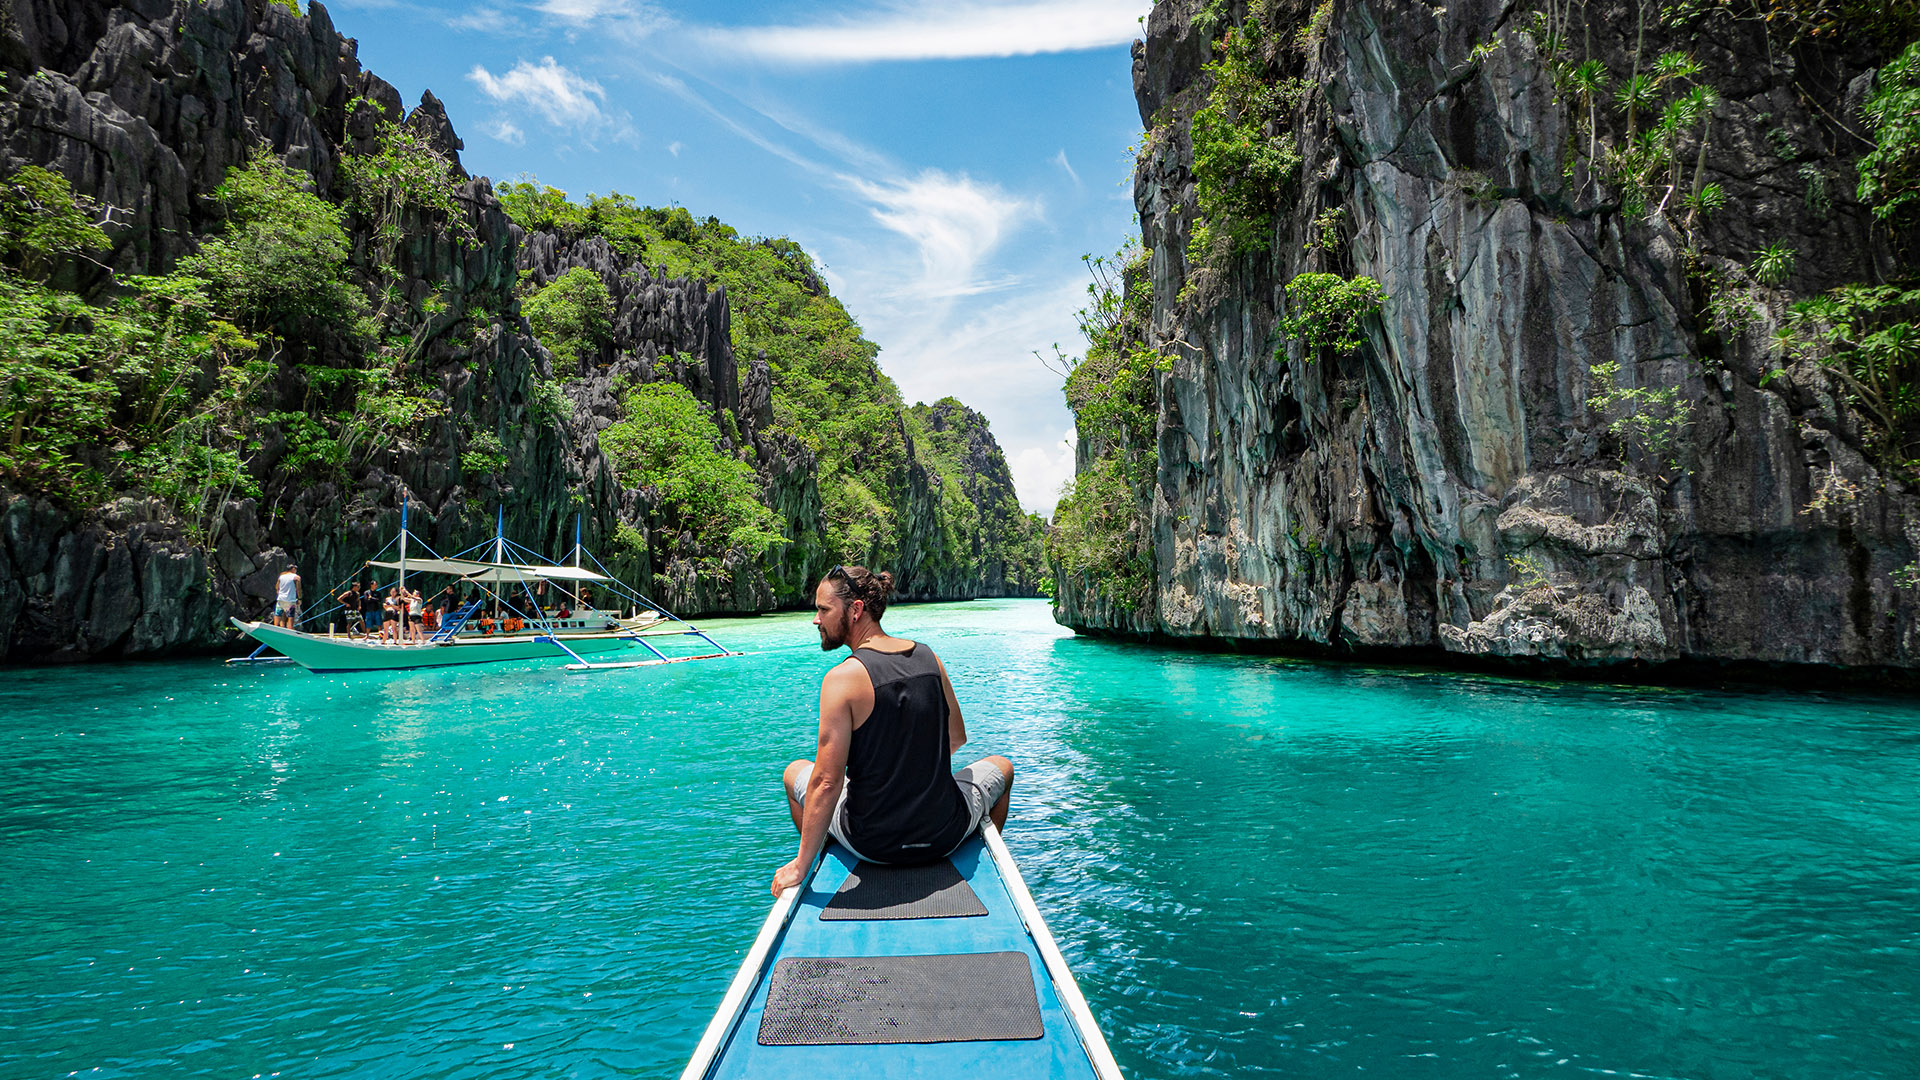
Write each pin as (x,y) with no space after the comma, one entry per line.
(1258,867)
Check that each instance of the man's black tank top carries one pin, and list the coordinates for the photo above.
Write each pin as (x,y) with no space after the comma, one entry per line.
(902,803)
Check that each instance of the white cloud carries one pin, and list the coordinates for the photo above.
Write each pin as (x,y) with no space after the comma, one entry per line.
(953,221)
(931,30)
(565,99)
(675,147)
(507,131)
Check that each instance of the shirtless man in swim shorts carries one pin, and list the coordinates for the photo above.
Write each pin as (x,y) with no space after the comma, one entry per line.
(878,784)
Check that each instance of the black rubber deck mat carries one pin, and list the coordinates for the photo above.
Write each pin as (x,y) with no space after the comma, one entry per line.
(874,892)
(864,1000)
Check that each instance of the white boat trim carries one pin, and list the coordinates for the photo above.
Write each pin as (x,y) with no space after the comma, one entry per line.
(319,652)
(727,1017)
(1064,985)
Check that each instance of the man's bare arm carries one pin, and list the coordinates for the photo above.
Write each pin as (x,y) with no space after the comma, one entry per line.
(956,727)
(837,692)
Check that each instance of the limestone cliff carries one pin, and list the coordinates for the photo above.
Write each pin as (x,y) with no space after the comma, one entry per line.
(1458,486)
(143,106)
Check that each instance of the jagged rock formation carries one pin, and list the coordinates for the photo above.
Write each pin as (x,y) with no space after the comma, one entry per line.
(1448,490)
(143,106)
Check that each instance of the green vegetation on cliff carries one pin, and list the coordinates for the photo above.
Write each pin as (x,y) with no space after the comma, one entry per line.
(152,388)
(669,443)
(828,389)
(281,265)
(1868,333)
(1240,171)
(1100,534)
(159,384)
(1328,311)
(572,315)
(155,383)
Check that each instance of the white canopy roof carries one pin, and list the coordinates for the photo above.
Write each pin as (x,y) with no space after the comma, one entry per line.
(486,571)
(566,573)
(456,567)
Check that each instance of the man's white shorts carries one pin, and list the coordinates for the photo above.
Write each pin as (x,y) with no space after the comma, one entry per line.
(981,784)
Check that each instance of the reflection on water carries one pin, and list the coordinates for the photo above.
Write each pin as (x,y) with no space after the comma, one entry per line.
(1258,866)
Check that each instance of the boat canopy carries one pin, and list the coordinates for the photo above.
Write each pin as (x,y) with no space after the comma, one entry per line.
(472,570)
(509,572)
(456,567)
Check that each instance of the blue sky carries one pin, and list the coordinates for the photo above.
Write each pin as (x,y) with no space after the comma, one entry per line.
(946,162)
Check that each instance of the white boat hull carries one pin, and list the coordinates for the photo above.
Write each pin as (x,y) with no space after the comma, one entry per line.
(317,652)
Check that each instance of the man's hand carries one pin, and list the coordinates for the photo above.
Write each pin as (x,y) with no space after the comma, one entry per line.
(789,876)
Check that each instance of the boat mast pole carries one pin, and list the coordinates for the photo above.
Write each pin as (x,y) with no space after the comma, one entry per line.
(403,541)
(500,535)
(576,541)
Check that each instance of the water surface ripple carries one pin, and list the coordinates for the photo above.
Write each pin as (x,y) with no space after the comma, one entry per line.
(1258,867)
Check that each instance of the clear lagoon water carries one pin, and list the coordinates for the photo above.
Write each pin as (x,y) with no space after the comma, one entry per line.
(1258,867)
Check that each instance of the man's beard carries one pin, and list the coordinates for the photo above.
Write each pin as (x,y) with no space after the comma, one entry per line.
(833,639)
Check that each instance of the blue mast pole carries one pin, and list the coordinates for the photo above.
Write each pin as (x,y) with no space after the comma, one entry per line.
(403,539)
(576,541)
(500,534)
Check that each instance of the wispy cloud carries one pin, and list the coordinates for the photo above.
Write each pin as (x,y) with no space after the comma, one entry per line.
(930,285)
(562,97)
(679,88)
(485,19)
(1060,159)
(586,11)
(507,132)
(953,221)
(932,30)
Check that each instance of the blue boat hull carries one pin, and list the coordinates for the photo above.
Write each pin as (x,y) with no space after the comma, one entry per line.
(1060,1054)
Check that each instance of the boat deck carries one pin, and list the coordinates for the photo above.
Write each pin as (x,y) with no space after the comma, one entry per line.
(1059,1054)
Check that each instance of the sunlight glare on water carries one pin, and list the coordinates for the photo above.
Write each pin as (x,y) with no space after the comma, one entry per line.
(1258,867)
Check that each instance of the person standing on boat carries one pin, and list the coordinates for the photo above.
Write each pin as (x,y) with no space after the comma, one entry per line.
(286,598)
(350,609)
(371,612)
(889,723)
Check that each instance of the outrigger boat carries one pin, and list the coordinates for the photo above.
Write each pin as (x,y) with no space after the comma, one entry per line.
(866,971)
(508,585)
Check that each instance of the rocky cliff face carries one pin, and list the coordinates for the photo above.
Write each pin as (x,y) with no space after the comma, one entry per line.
(144,106)
(1451,488)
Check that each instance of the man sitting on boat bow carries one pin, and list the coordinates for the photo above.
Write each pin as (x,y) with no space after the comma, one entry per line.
(889,722)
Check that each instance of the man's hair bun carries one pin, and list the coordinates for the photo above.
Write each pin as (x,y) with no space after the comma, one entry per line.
(852,583)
